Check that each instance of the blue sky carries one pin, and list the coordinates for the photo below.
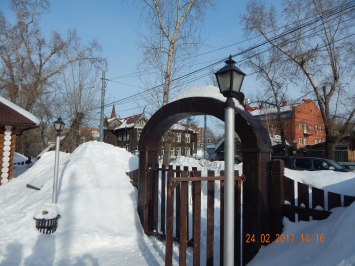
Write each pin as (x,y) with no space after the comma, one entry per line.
(114,25)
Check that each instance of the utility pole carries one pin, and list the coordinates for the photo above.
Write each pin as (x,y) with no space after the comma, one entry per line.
(205,138)
(102,107)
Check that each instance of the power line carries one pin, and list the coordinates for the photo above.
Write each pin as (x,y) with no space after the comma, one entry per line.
(327,13)
(130,98)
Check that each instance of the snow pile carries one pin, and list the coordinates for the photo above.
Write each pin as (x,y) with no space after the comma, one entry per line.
(338,182)
(336,247)
(95,199)
(100,224)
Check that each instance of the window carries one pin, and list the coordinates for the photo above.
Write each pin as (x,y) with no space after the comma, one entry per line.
(305,126)
(300,125)
(300,140)
(187,138)
(119,136)
(320,128)
(128,133)
(162,153)
(316,141)
(316,128)
(187,151)
(178,152)
(139,134)
(178,137)
(124,136)
(303,163)
(172,152)
(305,141)
(320,165)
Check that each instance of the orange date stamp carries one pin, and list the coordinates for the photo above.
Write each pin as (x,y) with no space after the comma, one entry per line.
(284,238)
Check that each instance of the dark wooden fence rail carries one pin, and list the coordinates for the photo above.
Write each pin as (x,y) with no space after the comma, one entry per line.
(172,217)
(298,201)
(133,175)
(174,198)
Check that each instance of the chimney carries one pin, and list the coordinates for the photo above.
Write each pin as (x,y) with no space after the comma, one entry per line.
(284,103)
(261,107)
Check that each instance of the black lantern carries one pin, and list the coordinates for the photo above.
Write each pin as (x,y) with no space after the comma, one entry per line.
(59,125)
(230,79)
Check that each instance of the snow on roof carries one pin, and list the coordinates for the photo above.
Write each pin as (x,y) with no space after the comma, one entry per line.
(109,120)
(180,127)
(276,140)
(272,110)
(130,121)
(208,91)
(20,110)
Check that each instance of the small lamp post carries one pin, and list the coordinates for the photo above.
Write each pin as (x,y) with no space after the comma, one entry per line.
(230,79)
(58,126)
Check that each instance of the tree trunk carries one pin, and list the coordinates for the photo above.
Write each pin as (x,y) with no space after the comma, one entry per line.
(167,154)
(329,147)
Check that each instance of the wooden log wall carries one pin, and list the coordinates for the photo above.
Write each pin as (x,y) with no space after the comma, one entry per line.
(7,151)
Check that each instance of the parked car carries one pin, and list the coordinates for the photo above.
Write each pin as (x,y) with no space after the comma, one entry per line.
(237,160)
(347,165)
(310,163)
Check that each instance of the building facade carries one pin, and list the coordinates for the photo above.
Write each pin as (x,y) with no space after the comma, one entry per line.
(303,122)
(125,133)
(183,141)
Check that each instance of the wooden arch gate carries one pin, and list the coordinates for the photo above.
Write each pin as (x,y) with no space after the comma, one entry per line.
(256,149)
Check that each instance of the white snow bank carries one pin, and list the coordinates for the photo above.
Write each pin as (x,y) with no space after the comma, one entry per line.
(331,242)
(95,199)
(337,182)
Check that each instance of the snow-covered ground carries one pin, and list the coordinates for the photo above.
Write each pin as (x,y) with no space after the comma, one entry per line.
(100,225)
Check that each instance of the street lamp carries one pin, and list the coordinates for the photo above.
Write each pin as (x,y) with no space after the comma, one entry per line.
(230,79)
(58,126)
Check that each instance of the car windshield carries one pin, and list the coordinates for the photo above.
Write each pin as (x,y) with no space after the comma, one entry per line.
(336,166)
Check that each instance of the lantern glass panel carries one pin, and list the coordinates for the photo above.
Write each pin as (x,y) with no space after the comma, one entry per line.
(237,81)
(224,81)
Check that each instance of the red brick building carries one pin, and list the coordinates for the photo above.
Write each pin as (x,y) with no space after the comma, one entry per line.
(303,122)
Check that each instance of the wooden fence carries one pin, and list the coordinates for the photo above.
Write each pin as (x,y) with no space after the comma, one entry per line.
(174,207)
(298,201)
(174,210)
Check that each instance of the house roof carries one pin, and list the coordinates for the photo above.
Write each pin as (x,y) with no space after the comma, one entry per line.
(113,113)
(272,110)
(181,127)
(130,121)
(11,114)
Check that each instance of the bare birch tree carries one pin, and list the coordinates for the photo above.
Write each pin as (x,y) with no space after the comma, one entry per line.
(31,62)
(315,36)
(269,69)
(172,38)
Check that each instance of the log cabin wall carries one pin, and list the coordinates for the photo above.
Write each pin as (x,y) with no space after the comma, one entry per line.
(7,147)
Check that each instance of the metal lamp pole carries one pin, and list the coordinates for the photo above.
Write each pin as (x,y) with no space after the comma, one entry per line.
(229,114)
(230,79)
(58,125)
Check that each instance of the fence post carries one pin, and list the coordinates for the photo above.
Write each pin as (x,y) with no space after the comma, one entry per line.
(277,196)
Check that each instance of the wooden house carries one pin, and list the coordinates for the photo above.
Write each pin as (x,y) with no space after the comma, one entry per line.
(124,132)
(184,141)
(13,120)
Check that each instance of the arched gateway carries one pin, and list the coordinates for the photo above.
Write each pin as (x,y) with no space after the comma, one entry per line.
(256,149)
